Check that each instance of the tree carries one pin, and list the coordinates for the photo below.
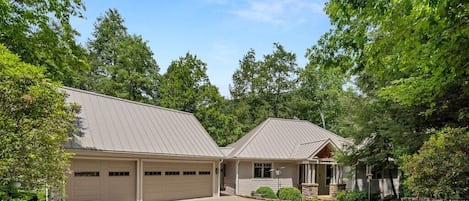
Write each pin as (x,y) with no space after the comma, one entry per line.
(263,89)
(41,34)
(440,168)
(186,87)
(35,123)
(278,72)
(122,65)
(317,98)
(408,60)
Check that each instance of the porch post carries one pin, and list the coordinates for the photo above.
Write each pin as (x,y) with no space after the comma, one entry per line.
(337,185)
(333,174)
(309,174)
(313,179)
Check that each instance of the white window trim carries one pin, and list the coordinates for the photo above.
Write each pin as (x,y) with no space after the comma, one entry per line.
(253,166)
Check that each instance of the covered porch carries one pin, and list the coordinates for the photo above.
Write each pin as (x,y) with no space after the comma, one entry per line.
(320,175)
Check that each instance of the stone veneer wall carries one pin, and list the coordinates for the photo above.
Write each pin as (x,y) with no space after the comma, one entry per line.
(309,190)
(334,188)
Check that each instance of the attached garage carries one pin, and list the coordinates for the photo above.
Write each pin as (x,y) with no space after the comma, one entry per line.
(127,151)
(102,180)
(173,181)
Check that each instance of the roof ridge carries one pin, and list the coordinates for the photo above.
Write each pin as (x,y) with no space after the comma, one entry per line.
(305,143)
(261,126)
(330,132)
(124,100)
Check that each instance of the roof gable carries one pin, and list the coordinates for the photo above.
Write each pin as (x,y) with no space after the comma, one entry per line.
(112,124)
(284,139)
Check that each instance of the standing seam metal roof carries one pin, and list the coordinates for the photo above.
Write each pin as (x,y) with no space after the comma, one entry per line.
(112,124)
(284,139)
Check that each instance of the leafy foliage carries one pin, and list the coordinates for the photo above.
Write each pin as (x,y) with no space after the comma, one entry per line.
(440,168)
(290,193)
(408,61)
(263,89)
(186,87)
(352,196)
(122,65)
(35,123)
(266,192)
(41,34)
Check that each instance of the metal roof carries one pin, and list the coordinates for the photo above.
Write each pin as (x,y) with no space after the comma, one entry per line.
(112,124)
(284,139)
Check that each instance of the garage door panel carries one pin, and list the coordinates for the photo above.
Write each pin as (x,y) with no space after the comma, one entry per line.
(173,187)
(85,185)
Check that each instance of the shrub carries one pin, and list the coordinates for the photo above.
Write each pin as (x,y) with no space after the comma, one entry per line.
(10,193)
(290,193)
(352,196)
(266,192)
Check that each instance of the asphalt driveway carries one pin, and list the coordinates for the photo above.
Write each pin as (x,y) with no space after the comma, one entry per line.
(222,198)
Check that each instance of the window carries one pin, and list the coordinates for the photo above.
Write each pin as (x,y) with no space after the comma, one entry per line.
(262,170)
(152,173)
(171,173)
(204,172)
(119,174)
(189,173)
(86,174)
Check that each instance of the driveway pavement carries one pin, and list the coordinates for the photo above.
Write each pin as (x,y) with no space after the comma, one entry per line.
(222,198)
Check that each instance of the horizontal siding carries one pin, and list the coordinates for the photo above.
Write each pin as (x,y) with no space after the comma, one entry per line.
(248,185)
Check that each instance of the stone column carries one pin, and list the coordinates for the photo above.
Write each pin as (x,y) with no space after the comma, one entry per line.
(334,188)
(309,190)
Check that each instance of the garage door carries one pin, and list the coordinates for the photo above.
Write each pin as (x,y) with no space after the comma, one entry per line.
(173,181)
(101,180)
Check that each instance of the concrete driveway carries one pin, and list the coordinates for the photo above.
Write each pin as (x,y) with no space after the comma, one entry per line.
(223,198)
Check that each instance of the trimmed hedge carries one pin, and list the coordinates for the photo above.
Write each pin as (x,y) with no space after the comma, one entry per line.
(266,192)
(290,193)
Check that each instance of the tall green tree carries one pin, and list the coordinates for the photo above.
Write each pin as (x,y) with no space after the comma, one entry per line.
(41,34)
(122,65)
(318,94)
(186,87)
(278,74)
(263,88)
(35,122)
(408,59)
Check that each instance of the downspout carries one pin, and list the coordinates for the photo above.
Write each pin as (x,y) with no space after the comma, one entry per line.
(237,178)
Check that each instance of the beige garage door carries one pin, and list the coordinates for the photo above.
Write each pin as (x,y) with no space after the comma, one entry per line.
(173,181)
(100,180)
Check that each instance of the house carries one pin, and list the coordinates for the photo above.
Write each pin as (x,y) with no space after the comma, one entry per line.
(125,150)
(284,153)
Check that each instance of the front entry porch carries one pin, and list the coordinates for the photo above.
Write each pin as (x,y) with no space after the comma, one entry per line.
(320,178)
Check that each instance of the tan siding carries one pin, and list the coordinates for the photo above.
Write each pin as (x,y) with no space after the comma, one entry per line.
(230,176)
(247,183)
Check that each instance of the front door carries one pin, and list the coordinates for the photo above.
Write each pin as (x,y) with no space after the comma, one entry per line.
(324,175)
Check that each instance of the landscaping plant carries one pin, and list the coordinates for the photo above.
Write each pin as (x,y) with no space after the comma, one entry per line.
(290,193)
(266,192)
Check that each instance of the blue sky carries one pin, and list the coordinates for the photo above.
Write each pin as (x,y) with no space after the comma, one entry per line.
(219,32)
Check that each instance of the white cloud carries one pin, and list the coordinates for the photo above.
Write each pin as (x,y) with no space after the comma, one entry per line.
(281,12)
